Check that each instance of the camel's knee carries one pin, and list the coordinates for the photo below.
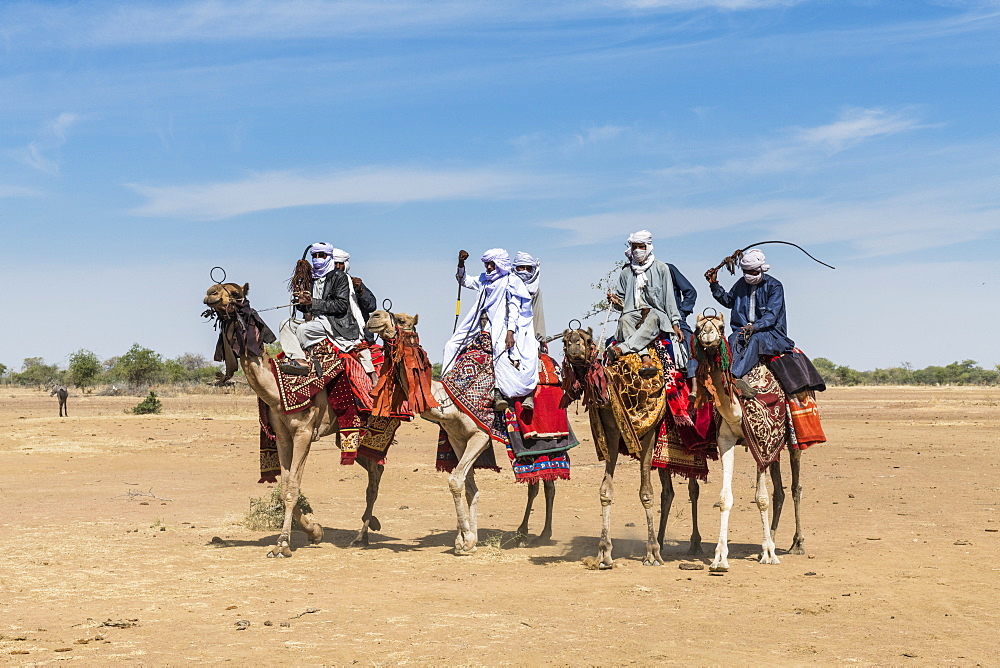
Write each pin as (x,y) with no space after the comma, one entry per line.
(456,485)
(725,503)
(763,503)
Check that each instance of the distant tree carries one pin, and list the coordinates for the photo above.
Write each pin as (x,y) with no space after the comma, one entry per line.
(84,368)
(3,370)
(192,361)
(35,372)
(140,366)
(436,371)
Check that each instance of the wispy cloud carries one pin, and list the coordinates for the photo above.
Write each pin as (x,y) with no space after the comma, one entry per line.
(800,147)
(278,190)
(103,23)
(38,153)
(892,225)
(17,191)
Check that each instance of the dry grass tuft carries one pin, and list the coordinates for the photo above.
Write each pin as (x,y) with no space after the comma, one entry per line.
(268,513)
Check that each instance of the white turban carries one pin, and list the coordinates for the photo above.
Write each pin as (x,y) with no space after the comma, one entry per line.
(321,266)
(499,257)
(338,255)
(754,259)
(530,278)
(641,237)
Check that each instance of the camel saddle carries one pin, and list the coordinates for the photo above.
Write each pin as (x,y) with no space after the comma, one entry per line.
(639,404)
(407,359)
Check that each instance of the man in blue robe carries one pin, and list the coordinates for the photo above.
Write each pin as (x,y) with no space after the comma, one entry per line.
(758,316)
(685,296)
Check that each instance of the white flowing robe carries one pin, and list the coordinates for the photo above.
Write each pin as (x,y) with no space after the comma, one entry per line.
(507,304)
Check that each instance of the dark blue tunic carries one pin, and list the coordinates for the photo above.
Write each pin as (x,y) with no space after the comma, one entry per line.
(685,295)
(770,335)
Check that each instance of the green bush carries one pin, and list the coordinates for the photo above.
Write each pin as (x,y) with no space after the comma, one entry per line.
(148,405)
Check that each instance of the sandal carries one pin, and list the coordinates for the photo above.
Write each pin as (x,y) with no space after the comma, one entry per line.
(294,368)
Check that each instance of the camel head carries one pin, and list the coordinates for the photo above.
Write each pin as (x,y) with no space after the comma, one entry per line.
(710,330)
(383,324)
(578,345)
(222,297)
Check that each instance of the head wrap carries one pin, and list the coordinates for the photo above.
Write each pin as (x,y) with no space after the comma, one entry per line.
(640,257)
(321,266)
(339,255)
(753,259)
(500,259)
(530,277)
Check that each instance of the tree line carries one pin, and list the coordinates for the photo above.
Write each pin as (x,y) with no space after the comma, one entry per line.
(137,368)
(966,372)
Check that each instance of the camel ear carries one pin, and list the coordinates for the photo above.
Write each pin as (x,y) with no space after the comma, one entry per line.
(590,332)
(246,289)
(416,317)
(700,317)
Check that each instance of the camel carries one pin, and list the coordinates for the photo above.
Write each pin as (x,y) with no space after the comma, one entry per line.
(581,353)
(710,333)
(467,439)
(63,394)
(295,432)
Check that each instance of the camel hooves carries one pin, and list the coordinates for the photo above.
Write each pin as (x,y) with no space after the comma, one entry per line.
(374,524)
(652,562)
(360,541)
(796,548)
(718,569)
(282,553)
(695,550)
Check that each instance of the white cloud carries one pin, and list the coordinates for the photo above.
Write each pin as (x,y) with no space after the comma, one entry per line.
(53,136)
(801,148)
(62,124)
(17,191)
(902,223)
(278,190)
(599,134)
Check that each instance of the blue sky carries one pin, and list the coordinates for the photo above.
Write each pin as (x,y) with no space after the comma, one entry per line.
(145,142)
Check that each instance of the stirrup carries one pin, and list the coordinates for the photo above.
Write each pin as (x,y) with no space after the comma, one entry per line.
(294,368)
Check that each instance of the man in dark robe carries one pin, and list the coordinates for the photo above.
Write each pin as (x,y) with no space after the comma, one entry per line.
(757,301)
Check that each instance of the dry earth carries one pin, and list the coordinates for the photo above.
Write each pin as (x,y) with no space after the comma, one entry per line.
(900,513)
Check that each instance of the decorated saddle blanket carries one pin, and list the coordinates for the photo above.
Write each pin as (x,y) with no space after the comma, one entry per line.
(638,403)
(766,419)
(379,434)
(406,359)
(671,454)
(806,424)
(296,392)
(447,460)
(470,384)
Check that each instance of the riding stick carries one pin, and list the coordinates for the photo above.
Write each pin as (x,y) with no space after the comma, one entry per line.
(458,299)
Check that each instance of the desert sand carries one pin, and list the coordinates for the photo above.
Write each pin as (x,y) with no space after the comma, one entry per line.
(107,522)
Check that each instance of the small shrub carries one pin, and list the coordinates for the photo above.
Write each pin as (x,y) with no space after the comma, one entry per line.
(268,513)
(148,405)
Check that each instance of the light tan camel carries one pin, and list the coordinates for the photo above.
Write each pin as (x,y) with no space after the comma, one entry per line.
(467,439)
(581,352)
(295,432)
(710,332)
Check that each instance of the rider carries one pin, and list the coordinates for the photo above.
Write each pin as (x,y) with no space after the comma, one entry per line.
(330,309)
(758,316)
(505,304)
(528,269)
(645,296)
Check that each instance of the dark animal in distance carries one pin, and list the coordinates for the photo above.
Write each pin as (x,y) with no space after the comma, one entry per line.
(63,394)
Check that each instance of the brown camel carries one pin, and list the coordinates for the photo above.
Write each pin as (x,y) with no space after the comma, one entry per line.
(581,354)
(295,432)
(467,439)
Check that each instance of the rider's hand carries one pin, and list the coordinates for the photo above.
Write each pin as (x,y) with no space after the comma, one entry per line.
(357,282)
(462,257)
(712,275)
(678,332)
(615,301)
(510,340)
(748,328)
(302,297)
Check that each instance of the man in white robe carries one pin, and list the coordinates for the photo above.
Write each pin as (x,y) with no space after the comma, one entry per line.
(506,304)
(528,269)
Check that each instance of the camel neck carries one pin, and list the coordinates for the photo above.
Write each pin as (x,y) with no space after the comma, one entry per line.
(727,405)
(260,378)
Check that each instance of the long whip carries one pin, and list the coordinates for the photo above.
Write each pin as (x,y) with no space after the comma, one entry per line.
(731,261)
(458,299)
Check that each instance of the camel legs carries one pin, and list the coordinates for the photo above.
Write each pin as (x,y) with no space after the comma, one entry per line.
(472,498)
(604,559)
(532,493)
(798,540)
(292,453)
(369,520)
(550,496)
(666,500)
(767,554)
(466,539)
(694,491)
(778,496)
(653,557)
(726,458)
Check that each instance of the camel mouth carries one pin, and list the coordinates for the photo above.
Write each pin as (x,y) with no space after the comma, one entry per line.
(211,301)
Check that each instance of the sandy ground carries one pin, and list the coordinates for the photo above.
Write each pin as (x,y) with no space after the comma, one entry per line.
(900,516)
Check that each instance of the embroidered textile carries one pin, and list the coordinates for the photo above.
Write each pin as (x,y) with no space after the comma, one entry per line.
(765,417)
(638,403)
(380,433)
(447,460)
(469,383)
(350,421)
(408,359)
(296,392)
(805,421)
(270,467)
(669,453)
